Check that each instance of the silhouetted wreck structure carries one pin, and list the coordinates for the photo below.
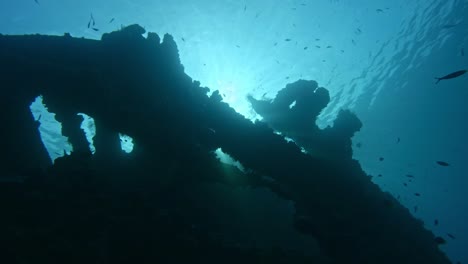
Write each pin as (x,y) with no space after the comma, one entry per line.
(113,207)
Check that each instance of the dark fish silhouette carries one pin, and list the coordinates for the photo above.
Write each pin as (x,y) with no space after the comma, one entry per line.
(37,1)
(379,10)
(462,52)
(451,75)
(417,194)
(442,163)
(409,176)
(451,236)
(440,241)
(112,20)
(436,222)
(287,39)
(450,26)
(381,159)
(305,48)
(398,140)
(95,29)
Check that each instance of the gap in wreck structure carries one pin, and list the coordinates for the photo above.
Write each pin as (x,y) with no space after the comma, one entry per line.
(126,143)
(89,128)
(227,159)
(50,130)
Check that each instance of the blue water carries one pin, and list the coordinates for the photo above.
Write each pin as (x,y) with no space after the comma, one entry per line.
(377,58)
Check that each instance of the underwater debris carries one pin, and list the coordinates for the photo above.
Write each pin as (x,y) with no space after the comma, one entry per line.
(255,144)
(451,75)
(442,163)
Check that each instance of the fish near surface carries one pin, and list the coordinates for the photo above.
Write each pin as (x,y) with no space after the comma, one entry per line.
(451,75)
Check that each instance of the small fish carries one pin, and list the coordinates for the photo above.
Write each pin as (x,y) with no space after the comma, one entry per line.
(450,26)
(409,176)
(442,163)
(451,236)
(37,1)
(245,8)
(294,25)
(237,46)
(462,52)
(379,10)
(381,159)
(287,40)
(440,241)
(451,75)
(436,222)
(183,39)
(276,43)
(287,78)
(92,20)
(415,208)
(405,184)
(354,42)
(329,47)
(306,48)
(342,51)
(317,46)
(358,31)
(380,175)
(359,145)
(398,140)
(417,194)
(317,39)
(95,29)
(89,24)
(112,20)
